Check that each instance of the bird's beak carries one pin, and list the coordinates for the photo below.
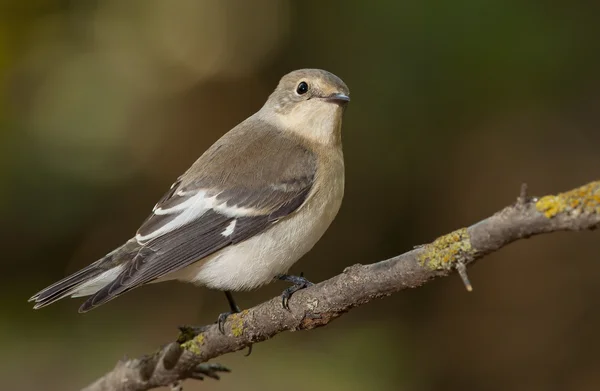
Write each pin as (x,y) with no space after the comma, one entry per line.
(338,97)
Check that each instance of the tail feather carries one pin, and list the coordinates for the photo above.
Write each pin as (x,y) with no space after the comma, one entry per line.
(90,279)
(67,285)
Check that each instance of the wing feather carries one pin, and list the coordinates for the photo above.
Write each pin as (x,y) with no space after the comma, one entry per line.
(218,203)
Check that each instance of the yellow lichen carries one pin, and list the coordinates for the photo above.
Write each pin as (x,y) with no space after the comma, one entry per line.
(237,323)
(193,345)
(446,250)
(585,199)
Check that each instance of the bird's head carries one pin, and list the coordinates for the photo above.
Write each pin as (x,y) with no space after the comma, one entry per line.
(309,102)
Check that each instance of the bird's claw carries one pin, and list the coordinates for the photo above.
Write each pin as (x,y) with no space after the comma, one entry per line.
(299,283)
(221,324)
(222,319)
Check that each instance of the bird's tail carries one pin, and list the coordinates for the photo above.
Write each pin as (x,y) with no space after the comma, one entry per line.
(86,281)
(67,286)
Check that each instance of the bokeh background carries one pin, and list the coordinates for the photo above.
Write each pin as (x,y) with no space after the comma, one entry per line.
(454,105)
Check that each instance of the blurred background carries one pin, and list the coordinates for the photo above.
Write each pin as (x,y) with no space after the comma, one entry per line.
(454,105)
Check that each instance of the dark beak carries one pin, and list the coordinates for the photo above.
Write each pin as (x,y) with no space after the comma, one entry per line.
(338,97)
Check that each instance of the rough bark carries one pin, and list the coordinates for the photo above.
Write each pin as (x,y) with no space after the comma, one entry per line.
(575,210)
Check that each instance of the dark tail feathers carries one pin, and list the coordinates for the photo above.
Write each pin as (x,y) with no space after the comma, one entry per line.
(67,285)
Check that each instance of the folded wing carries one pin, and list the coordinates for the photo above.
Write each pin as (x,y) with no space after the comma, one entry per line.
(229,195)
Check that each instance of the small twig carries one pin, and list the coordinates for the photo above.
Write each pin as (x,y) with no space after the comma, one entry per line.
(462,272)
(522,200)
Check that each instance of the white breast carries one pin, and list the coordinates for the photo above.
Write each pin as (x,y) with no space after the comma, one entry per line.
(258,260)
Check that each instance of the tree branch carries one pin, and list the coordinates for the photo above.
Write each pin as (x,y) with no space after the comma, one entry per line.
(318,305)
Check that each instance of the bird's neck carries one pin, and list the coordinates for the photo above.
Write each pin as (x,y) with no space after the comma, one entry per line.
(321,123)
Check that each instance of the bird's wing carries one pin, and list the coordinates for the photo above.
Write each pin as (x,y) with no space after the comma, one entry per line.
(229,195)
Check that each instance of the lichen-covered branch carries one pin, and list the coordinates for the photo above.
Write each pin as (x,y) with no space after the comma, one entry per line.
(318,305)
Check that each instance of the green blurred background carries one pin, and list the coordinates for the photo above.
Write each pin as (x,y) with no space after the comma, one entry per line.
(454,105)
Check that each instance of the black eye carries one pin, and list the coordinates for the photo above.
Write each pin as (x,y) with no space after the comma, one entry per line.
(302,88)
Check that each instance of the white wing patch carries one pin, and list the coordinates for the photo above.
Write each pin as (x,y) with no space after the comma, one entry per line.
(236,211)
(230,228)
(184,205)
(187,211)
(192,209)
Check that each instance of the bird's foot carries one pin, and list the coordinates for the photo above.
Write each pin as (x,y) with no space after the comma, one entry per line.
(223,318)
(189,332)
(299,283)
(221,322)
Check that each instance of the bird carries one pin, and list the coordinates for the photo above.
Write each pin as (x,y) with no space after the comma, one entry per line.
(252,205)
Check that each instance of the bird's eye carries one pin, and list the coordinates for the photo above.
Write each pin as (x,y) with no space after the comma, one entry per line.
(302,88)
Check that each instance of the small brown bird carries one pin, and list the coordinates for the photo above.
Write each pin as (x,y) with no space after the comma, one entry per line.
(253,204)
